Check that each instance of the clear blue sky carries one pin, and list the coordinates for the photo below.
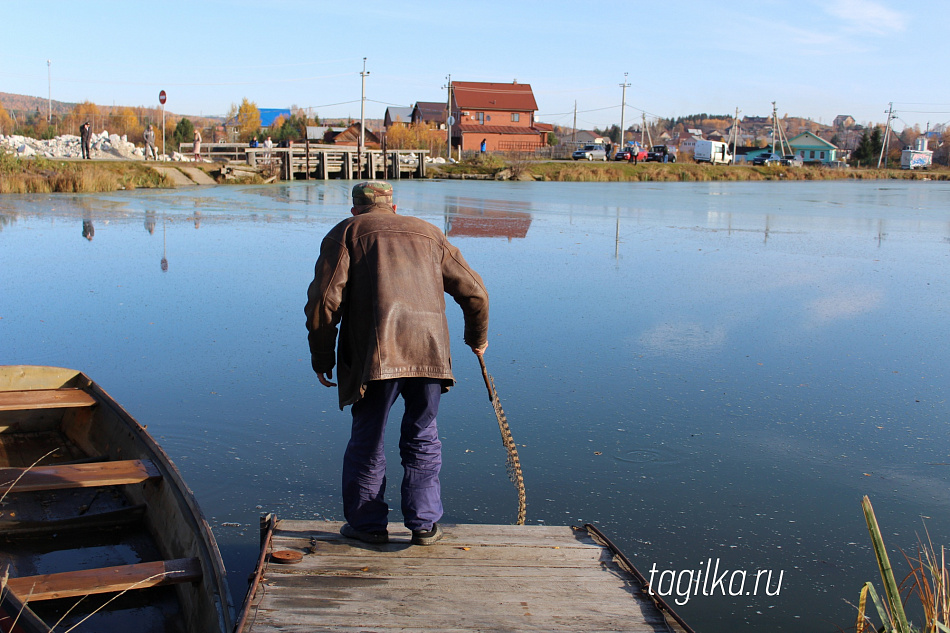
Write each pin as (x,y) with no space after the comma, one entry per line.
(815,58)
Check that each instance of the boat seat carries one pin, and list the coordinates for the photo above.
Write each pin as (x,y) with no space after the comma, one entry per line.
(44,399)
(117,473)
(84,582)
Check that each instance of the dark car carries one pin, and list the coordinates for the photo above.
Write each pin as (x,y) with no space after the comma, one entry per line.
(661,154)
(767,159)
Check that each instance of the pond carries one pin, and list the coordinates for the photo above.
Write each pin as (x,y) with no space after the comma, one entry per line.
(712,373)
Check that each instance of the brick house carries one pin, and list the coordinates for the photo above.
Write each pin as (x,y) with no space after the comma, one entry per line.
(499,115)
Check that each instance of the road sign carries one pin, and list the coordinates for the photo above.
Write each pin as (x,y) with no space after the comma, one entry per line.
(451,120)
(161,97)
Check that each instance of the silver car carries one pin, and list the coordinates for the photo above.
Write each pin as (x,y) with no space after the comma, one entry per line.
(591,152)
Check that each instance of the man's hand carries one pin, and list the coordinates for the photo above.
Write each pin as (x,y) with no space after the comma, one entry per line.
(480,351)
(325,378)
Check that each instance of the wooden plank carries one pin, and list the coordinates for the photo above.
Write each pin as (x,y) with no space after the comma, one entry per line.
(132,471)
(44,399)
(477,578)
(71,584)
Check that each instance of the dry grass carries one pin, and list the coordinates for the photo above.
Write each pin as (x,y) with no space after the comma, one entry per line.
(41,175)
(690,172)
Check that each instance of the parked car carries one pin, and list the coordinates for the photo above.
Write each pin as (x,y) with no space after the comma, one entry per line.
(661,154)
(631,154)
(767,159)
(591,152)
(792,160)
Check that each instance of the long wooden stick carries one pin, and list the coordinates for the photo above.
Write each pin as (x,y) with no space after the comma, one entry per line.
(513,462)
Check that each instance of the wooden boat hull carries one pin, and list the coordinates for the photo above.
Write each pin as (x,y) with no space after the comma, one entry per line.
(94,512)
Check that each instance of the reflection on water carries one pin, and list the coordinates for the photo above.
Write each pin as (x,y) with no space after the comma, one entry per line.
(477,217)
(702,369)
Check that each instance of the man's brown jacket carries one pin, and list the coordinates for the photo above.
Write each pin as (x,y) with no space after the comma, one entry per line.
(383,277)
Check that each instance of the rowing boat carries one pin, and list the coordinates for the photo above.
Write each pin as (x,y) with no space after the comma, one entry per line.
(96,524)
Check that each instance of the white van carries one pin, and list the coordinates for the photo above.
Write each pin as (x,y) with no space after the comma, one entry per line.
(714,152)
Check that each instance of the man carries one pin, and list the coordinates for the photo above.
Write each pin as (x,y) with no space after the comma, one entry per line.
(382,278)
(85,135)
(150,143)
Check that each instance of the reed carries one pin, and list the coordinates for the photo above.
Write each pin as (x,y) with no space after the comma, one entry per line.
(927,583)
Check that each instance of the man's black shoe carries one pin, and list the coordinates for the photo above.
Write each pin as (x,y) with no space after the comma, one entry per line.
(427,537)
(380,537)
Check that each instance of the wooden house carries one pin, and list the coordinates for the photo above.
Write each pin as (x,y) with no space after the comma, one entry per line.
(351,137)
(429,112)
(494,117)
(813,149)
(397,115)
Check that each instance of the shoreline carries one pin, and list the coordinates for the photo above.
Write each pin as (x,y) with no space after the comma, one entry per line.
(45,175)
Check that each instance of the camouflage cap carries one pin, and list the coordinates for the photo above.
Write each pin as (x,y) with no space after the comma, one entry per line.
(373,193)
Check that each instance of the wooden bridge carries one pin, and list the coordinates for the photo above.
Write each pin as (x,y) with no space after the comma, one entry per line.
(477,578)
(320,162)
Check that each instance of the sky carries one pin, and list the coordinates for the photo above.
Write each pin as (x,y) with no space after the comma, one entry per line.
(815,58)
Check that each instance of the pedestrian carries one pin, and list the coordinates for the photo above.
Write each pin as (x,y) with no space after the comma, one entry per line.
(382,277)
(150,143)
(268,144)
(197,146)
(85,136)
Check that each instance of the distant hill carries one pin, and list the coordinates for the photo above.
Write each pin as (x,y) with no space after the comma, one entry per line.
(24,104)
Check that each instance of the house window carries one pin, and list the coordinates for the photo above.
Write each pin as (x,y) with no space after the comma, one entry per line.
(515,117)
(480,117)
(812,154)
(822,156)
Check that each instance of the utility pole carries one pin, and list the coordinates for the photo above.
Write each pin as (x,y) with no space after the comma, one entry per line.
(362,119)
(574,128)
(735,131)
(774,126)
(887,130)
(449,119)
(49,93)
(623,106)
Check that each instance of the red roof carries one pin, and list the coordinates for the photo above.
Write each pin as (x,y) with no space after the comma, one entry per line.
(544,127)
(476,95)
(498,129)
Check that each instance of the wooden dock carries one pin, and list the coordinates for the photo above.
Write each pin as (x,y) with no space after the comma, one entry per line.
(309,161)
(477,578)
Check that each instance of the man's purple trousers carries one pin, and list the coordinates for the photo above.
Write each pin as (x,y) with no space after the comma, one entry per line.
(364,463)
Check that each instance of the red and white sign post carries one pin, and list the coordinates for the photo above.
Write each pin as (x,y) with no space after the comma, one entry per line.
(161,100)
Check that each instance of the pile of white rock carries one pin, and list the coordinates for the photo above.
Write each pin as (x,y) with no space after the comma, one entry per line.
(102,146)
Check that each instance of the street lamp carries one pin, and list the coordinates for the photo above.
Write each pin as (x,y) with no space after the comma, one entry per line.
(362,124)
(623,106)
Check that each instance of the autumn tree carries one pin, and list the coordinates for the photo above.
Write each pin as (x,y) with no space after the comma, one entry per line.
(125,121)
(246,118)
(6,122)
(85,111)
(416,136)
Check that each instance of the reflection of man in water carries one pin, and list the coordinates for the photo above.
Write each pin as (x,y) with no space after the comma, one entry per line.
(150,222)
(88,230)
